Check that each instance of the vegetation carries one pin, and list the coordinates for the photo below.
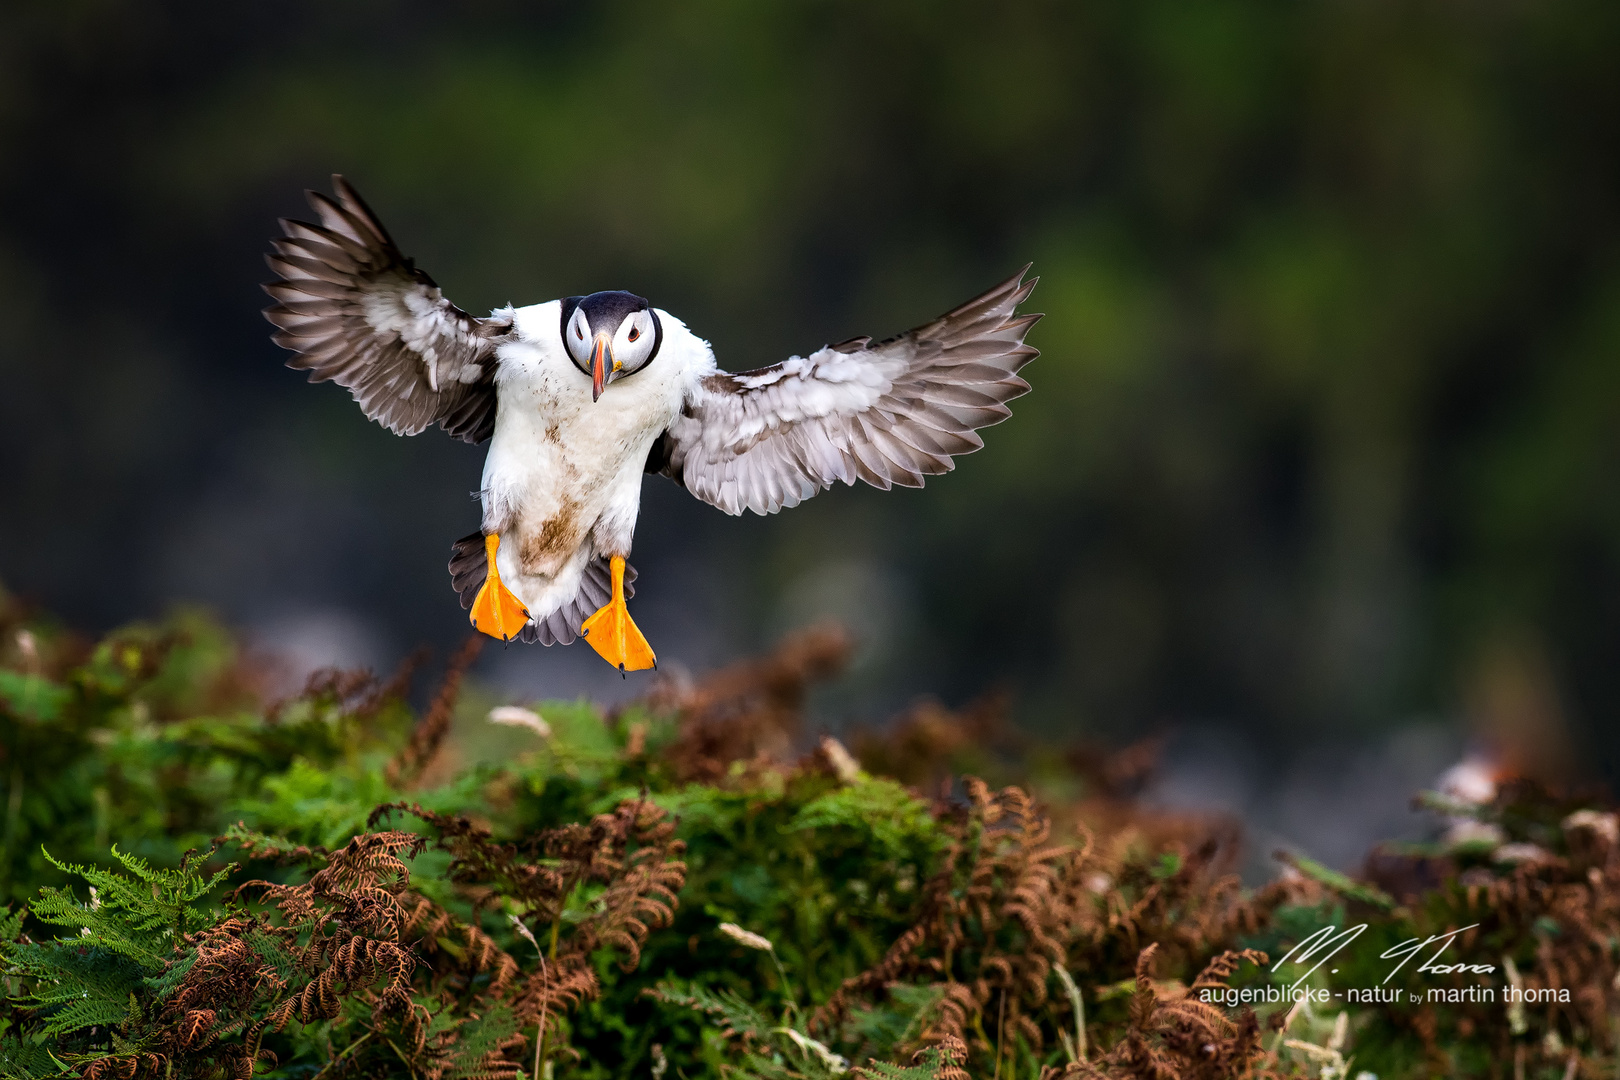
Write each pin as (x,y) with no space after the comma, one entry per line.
(205,883)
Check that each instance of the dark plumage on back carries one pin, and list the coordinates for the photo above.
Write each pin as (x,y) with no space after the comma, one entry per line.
(359,313)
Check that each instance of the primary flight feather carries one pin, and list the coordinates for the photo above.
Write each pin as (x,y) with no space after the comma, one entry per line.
(580,396)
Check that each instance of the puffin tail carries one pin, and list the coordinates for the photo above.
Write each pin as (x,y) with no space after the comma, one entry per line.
(562,626)
(469,566)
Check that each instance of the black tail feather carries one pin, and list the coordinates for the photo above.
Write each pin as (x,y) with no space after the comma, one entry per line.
(469,567)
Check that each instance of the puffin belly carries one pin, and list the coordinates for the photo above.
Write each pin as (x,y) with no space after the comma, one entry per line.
(544,594)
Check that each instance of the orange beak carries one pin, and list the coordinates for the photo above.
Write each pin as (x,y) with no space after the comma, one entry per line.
(601,360)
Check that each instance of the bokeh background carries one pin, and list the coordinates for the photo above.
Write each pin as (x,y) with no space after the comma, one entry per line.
(1320,475)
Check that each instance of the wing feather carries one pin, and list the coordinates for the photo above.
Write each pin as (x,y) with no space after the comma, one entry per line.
(893,413)
(359,313)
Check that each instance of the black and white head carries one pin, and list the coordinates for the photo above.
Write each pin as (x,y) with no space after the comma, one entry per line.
(610,336)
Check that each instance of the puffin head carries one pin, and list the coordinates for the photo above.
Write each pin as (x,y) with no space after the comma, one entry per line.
(610,336)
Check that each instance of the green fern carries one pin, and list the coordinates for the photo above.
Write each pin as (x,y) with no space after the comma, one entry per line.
(929,1065)
(10,926)
(75,987)
(478,1041)
(726,1008)
(141,916)
(883,1028)
(896,820)
(26,1059)
(263,846)
(127,930)
(769,1051)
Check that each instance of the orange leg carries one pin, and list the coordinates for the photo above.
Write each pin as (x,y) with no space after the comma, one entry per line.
(495,611)
(612,633)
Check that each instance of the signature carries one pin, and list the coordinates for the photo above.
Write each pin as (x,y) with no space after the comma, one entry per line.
(1329,941)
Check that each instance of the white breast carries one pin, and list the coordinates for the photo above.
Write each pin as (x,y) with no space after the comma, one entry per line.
(562,482)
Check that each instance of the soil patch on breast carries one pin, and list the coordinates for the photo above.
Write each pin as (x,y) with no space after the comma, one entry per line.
(542,550)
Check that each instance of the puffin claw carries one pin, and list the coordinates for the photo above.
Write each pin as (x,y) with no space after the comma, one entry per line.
(620,642)
(495,611)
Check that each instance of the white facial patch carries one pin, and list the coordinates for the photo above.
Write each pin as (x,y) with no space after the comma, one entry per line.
(633,344)
(577,339)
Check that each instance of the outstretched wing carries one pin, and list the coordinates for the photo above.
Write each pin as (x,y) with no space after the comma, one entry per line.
(890,413)
(358,312)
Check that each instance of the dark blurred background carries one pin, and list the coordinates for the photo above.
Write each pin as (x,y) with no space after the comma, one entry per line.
(1322,465)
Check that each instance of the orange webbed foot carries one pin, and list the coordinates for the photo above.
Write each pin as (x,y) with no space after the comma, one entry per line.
(613,634)
(495,611)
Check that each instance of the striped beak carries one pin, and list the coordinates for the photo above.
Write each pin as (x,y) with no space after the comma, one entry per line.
(601,360)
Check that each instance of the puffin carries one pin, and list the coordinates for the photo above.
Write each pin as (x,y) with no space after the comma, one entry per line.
(580,397)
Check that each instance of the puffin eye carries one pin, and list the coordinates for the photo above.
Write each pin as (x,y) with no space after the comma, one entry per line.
(635,332)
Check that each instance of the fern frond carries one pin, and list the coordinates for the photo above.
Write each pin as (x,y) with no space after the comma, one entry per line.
(272,952)
(931,1063)
(141,915)
(88,1011)
(477,1053)
(737,1018)
(893,817)
(66,975)
(23,1059)
(887,1070)
(163,985)
(262,846)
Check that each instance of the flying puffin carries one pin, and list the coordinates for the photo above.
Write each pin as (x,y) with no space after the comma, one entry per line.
(581,396)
